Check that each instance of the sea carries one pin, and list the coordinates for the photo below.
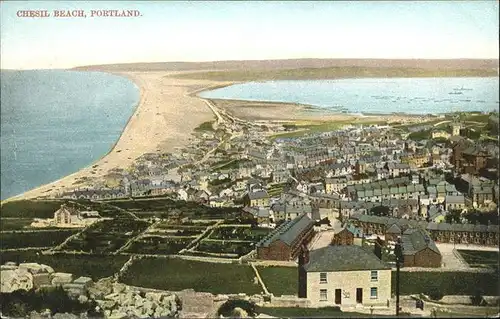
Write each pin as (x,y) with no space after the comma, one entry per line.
(374,95)
(55,122)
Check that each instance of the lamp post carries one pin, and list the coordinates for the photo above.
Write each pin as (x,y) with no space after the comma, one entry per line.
(398,252)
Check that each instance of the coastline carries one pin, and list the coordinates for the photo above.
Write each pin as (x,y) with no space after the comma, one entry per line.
(157,124)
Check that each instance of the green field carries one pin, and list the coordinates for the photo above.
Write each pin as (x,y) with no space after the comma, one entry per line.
(205,127)
(15,223)
(178,274)
(326,312)
(283,281)
(79,265)
(447,283)
(30,208)
(483,259)
(279,280)
(320,127)
(34,239)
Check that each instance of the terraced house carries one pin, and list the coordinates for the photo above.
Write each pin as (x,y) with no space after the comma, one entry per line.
(464,233)
(285,241)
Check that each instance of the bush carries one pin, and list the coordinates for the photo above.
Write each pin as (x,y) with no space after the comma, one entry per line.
(435,293)
(227,309)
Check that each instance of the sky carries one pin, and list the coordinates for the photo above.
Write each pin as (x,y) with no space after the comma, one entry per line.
(209,31)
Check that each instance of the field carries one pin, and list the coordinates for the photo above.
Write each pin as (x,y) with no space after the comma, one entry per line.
(30,208)
(34,239)
(320,127)
(325,312)
(279,280)
(15,223)
(483,259)
(158,245)
(106,236)
(178,274)
(447,283)
(239,233)
(283,280)
(163,207)
(221,248)
(79,265)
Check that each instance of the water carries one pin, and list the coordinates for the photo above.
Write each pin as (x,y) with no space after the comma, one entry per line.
(373,95)
(54,123)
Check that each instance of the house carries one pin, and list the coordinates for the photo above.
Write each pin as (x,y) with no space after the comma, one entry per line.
(343,237)
(284,242)
(259,198)
(419,250)
(344,275)
(453,202)
(393,232)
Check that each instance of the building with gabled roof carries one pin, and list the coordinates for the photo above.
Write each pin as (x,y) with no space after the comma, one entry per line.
(345,275)
(284,242)
(419,250)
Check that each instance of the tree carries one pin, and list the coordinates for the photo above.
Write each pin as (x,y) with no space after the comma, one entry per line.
(380,211)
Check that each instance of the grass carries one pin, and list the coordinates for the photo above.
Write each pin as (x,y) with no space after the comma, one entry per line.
(279,280)
(331,73)
(205,127)
(30,208)
(325,312)
(448,283)
(159,245)
(79,265)
(178,274)
(312,127)
(488,259)
(283,281)
(15,223)
(34,239)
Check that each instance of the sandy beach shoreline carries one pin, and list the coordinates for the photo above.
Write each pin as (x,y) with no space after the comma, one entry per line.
(170,109)
(158,124)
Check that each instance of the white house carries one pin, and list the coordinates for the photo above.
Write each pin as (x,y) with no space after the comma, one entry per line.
(346,275)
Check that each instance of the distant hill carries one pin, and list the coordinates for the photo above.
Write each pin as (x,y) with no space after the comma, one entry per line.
(425,64)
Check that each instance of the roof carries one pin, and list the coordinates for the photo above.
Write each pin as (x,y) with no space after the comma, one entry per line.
(257,195)
(343,258)
(415,240)
(288,231)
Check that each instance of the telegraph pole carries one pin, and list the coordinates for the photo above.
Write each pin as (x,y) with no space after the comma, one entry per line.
(398,251)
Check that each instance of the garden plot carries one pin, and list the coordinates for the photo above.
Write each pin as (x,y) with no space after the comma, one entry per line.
(158,245)
(34,239)
(229,241)
(480,259)
(106,236)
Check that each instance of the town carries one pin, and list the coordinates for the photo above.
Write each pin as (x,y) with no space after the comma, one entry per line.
(281,214)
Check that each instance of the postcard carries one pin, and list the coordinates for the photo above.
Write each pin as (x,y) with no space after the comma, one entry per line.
(264,159)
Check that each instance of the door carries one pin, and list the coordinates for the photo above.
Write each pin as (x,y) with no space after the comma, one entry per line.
(359,295)
(338,296)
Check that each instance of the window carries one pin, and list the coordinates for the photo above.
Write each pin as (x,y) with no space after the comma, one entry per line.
(373,293)
(322,278)
(323,295)
(374,275)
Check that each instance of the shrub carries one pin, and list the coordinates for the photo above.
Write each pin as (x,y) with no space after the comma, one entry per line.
(227,309)
(435,293)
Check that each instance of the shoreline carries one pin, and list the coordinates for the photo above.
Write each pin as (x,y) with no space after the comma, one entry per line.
(180,89)
(152,109)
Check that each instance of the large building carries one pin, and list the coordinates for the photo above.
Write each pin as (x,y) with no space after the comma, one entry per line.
(344,275)
(419,250)
(284,242)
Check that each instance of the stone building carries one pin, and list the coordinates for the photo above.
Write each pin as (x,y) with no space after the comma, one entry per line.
(346,275)
(419,250)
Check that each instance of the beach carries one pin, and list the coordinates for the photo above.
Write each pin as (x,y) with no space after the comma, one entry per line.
(162,122)
(168,112)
